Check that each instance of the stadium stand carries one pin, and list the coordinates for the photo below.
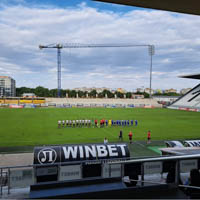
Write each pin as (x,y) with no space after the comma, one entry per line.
(191,100)
(86,102)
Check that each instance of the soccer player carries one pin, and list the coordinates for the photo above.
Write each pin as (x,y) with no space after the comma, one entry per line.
(136,122)
(79,123)
(74,123)
(112,122)
(67,123)
(83,122)
(106,122)
(109,122)
(93,124)
(96,122)
(121,135)
(117,122)
(101,123)
(86,122)
(63,123)
(130,135)
(120,123)
(148,137)
(124,122)
(127,122)
(59,123)
(70,123)
(131,122)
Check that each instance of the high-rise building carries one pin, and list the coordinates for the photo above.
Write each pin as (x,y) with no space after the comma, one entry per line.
(7,87)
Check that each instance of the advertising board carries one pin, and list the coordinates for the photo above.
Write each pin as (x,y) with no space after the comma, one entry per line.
(192,143)
(153,167)
(68,153)
(21,178)
(187,165)
(71,172)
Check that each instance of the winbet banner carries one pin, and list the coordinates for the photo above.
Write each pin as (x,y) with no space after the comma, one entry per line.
(79,152)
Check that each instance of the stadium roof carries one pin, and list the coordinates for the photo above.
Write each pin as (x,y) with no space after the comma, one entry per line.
(182,6)
(180,150)
(192,76)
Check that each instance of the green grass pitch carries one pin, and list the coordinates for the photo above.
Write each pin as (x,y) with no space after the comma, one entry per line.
(24,127)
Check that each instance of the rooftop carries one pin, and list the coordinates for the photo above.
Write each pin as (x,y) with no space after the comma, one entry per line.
(182,6)
(192,76)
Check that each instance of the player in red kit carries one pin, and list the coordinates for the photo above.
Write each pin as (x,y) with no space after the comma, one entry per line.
(95,121)
(130,135)
(148,137)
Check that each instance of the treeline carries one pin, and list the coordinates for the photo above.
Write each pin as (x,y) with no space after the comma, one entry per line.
(40,92)
(94,94)
(45,92)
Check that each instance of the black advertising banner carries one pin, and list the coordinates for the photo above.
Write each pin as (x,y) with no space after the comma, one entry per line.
(46,155)
(68,153)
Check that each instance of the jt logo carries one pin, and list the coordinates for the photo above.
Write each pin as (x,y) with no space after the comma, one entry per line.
(47,155)
(197,93)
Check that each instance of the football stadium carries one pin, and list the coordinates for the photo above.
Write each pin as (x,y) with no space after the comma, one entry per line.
(101,147)
(81,125)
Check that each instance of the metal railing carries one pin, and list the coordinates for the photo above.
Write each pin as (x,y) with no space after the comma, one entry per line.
(109,168)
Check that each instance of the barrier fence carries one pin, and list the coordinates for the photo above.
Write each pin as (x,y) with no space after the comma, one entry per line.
(54,105)
(140,172)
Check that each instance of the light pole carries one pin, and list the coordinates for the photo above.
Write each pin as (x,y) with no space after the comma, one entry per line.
(151,53)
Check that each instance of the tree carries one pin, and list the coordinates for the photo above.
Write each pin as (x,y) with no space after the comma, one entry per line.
(158,94)
(80,93)
(109,94)
(85,94)
(146,95)
(53,93)
(72,93)
(41,91)
(119,94)
(68,92)
(101,95)
(128,95)
(21,90)
(93,93)
(63,93)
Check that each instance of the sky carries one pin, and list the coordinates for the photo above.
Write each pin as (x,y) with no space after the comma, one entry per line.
(25,24)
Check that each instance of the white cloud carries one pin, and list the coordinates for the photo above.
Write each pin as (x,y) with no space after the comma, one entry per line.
(22,29)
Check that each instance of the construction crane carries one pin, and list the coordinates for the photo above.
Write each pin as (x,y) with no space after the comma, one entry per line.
(78,45)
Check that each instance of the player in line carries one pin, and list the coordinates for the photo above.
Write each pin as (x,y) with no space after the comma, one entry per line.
(59,124)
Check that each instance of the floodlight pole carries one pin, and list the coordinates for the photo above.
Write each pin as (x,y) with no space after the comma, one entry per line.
(59,70)
(151,53)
